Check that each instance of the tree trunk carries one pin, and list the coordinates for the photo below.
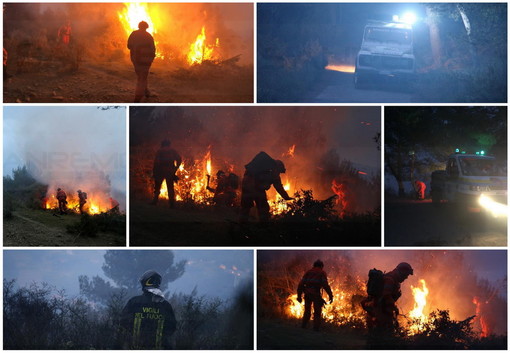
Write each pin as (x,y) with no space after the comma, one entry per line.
(435,40)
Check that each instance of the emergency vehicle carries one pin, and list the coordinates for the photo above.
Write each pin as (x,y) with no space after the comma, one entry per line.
(476,181)
(386,52)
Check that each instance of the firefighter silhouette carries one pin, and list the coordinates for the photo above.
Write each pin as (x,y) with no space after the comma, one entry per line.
(313,281)
(148,320)
(226,186)
(260,174)
(82,200)
(166,164)
(142,54)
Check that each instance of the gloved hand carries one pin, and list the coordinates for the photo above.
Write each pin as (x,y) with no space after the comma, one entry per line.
(299,299)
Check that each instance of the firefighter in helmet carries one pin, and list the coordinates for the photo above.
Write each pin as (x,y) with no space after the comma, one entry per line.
(62,201)
(148,320)
(260,174)
(382,309)
(166,164)
(313,281)
(142,54)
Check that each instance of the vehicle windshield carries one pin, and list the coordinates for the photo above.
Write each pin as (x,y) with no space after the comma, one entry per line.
(481,167)
(388,35)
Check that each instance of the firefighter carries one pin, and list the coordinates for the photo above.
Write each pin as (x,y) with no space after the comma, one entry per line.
(62,201)
(82,200)
(225,191)
(260,174)
(311,284)
(64,34)
(166,164)
(420,188)
(148,320)
(142,53)
(382,309)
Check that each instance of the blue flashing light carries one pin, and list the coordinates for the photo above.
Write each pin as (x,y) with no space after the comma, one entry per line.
(457,150)
(482,152)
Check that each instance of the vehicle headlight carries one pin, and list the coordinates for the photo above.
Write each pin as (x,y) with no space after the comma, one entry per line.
(495,208)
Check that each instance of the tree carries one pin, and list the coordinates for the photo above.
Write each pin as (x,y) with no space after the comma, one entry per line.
(124,269)
(433,133)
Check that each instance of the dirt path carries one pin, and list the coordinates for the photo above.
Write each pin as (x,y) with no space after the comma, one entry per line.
(114,82)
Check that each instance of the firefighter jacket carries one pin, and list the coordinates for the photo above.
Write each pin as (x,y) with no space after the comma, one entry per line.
(142,48)
(313,281)
(147,322)
(391,291)
(167,161)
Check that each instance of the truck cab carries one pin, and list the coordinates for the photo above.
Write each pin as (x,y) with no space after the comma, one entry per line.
(386,52)
(469,176)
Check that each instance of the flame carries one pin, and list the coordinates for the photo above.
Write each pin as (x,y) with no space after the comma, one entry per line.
(96,203)
(133,14)
(420,301)
(278,205)
(339,189)
(341,68)
(200,51)
(485,330)
(192,183)
(290,152)
(343,309)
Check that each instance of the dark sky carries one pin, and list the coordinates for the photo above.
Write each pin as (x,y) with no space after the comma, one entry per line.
(215,273)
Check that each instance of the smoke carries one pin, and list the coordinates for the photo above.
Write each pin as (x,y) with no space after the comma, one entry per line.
(97,29)
(69,147)
(454,278)
(321,137)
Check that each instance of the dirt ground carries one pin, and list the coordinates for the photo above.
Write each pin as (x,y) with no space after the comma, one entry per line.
(188,225)
(289,335)
(420,223)
(48,81)
(46,228)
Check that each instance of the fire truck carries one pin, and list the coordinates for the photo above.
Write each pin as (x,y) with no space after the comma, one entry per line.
(386,52)
(474,181)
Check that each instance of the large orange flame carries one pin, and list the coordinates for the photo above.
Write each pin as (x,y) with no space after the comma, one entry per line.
(133,14)
(420,301)
(200,50)
(192,184)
